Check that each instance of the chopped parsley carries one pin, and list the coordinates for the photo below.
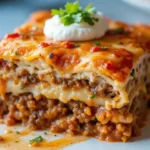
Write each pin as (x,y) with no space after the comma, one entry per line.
(119,30)
(21,87)
(74,13)
(96,43)
(55,135)
(30,34)
(37,140)
(17,132)
(51,55)
(132,73)
(16,53)
(92,96)
(16,141)
(103,47)
(76,45)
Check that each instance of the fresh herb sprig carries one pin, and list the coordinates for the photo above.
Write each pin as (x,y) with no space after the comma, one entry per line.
(37,140)
(92,96)
(96,43)
(17,132)
(74,13)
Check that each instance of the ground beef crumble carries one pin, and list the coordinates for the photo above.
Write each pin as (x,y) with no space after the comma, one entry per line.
(75,117)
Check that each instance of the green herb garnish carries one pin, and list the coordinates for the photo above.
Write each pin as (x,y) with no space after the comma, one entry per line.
(21,87)
(132,73)
(92,96)
(103,47)
(16,53)
(96,43)
(30,34)
(17,132)
(76,45)
(37,140)
(16,141)
(74,13)
(119,30)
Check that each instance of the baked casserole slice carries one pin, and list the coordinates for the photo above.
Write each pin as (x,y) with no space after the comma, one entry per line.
(95,88)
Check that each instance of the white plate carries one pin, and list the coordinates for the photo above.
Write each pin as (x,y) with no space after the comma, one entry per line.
(144,4)
(140,143)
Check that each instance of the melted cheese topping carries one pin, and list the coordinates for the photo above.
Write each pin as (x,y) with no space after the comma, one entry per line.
(113,62)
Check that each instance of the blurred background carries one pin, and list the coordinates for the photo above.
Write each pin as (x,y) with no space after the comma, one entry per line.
(14,12)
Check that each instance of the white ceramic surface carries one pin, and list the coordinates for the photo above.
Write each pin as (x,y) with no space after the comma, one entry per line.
(143,4)
(140,143)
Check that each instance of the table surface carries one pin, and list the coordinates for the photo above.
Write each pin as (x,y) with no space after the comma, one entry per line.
(14,12)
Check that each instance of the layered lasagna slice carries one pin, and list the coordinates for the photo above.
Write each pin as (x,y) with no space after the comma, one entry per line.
(95,88)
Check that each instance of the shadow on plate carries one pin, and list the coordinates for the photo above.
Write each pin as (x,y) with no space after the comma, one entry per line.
(145,131)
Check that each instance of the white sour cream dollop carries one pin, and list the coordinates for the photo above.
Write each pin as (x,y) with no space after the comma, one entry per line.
(75,32)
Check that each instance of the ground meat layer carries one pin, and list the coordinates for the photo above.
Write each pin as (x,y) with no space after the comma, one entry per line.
(74,117)
(98,87)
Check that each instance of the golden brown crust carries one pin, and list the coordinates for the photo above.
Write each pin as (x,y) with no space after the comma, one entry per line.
(120,48)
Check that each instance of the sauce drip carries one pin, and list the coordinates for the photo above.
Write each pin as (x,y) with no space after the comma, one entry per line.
(61,143)
(19,141)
